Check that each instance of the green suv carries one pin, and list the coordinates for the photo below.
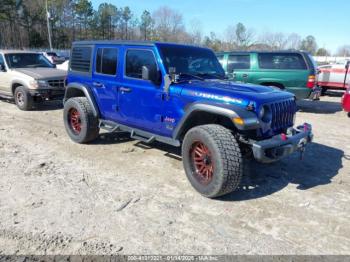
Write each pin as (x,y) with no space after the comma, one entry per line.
(292,71)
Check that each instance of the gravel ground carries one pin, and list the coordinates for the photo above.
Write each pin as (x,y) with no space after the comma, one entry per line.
(118,196)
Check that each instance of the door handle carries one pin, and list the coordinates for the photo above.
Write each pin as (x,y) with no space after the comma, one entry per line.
(125,89)
(245,75)
(97,84)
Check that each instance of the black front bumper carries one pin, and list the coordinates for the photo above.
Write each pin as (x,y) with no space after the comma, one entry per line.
(48,94)
(277,147)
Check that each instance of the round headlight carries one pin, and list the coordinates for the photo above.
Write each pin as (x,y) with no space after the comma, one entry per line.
(262,112)
(265,114)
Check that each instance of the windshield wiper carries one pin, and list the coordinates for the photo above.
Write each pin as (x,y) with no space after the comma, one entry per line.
(213,75)
(193,76)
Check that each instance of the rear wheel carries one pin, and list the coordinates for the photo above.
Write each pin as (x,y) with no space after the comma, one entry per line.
(323,91)
(23,99)
(349,114)
(79,120)
(212,160)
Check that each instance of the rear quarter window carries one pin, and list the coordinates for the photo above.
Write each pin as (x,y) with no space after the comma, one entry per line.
(81,59)
(279,61)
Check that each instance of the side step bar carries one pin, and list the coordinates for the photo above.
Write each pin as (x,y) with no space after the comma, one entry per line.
(137,134)
(141,138)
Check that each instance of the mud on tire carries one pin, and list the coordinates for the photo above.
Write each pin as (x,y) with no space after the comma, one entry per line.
(79,120)
(212,160)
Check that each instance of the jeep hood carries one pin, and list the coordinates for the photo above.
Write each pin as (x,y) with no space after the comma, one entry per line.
(222,88)
(42,73)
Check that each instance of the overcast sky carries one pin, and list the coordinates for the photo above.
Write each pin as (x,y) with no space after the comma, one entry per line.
(328,21)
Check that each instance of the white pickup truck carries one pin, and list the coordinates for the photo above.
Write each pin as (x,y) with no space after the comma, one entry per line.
(333,76)
(29,77)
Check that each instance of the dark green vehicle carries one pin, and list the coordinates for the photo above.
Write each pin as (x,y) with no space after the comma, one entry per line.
(292,71)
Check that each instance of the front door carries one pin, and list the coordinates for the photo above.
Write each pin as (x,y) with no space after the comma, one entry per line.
(140,101)
(238,67)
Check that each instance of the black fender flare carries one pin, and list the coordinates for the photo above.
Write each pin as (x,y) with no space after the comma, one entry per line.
(251,120)
(71,91)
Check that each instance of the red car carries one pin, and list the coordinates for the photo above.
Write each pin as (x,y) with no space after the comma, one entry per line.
(346,101)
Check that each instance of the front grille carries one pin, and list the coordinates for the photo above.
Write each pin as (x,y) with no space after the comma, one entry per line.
(56,83)
(282,114)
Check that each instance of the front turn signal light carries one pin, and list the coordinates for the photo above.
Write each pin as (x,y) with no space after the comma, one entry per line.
(238,121)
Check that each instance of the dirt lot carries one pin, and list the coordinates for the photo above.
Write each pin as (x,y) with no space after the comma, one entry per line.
(118,196)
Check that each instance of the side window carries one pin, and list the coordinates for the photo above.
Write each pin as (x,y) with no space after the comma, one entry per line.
(238,62)
(135,59)
(281,61)
(106,61)
(81,59)
(2,62)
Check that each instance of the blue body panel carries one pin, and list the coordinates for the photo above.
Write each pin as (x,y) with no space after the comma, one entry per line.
(148,107)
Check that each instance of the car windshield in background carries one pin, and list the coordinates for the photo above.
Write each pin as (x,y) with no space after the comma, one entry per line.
(282,61)
(30,60)
(187,61)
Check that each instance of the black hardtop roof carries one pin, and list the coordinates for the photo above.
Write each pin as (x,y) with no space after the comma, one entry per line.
(130,42)
(114,42)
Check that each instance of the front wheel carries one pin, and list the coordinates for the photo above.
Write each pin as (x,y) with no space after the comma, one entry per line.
(23,99)
(79,120)
(212,160)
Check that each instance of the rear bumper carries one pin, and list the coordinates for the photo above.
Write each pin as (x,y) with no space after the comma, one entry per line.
(277,147)
(48,94)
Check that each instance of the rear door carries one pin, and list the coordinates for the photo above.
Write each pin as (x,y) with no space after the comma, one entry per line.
(288,69)
(238,67)
(104,80)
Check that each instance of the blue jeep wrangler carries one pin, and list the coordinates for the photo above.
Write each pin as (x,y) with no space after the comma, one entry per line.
(178,95)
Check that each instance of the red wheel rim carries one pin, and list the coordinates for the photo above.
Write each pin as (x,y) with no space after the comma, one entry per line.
(203,167)
(74,120)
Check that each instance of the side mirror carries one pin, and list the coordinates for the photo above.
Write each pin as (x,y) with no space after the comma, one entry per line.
(347,65)
(150,75)
(230,68)
(145,73)
(2,68)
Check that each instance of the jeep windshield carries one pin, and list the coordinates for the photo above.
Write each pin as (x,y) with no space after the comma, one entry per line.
(27,60)
(191,62)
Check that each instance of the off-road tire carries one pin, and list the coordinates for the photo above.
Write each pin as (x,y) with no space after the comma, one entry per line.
(226,157)
(89,127)
(23,98)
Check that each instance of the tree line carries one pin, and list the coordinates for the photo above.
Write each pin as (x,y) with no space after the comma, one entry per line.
(23,24)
